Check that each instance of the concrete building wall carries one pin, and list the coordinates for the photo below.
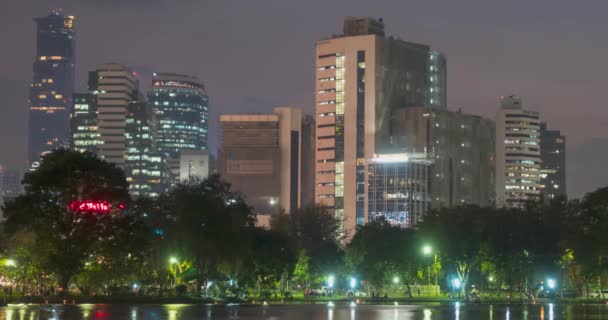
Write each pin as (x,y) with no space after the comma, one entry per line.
(461,146)
(115,87)
(260,157)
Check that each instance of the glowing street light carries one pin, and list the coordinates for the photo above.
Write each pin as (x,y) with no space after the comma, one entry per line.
(395,280)
(551,283)
(173,260)
(331,280)
(490,278)
(353,282)
(11,263)
(456,283)
(427,250)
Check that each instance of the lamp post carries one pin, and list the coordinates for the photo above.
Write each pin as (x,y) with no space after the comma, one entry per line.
(172,263)
(427,251)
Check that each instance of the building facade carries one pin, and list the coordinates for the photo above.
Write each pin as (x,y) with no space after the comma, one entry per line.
(144,166)
(52,85)
(553,163)
(181,106)
(461,147)
(84,134)
(194,165)
(260,157)
(115,87)
(518,161)
(400,188)
(361,76)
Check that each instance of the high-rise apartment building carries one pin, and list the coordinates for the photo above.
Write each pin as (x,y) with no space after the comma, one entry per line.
(553,163)
(115,87)
(518,160)
(144,166)
(182,111)
(52,85)
(260,157)
(361,77)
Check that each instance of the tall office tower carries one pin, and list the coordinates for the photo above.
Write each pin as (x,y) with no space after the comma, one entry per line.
(143,165)
(115,86)
(260,157)
(518,161)
(182,111)
(460,147)
(361,76)
(52,86)
(553,163)
(84,134)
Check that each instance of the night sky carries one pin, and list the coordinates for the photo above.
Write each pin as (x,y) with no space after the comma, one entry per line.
(256,54)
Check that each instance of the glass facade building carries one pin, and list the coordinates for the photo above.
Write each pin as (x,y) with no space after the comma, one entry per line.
(399,188)
(181,106)
(553,163)
(182,111)
(52,85)
(143,165)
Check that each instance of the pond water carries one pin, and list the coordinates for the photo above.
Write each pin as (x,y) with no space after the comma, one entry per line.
(306,312)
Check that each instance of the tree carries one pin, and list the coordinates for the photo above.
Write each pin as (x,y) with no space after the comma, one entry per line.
(210,226)
(66,238)
(458,236)
(380,251)
(316,230)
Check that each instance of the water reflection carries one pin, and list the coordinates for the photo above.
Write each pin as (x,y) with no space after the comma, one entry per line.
(339,311)
(427,314)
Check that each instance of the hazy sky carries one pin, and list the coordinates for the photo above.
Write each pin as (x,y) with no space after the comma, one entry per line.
(257,54)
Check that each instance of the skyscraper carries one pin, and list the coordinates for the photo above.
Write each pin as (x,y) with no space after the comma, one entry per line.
(144,166)
(260,157)
(553,163)
(361,76)
(116,87)
(182,111)
(52,85)
(518,160)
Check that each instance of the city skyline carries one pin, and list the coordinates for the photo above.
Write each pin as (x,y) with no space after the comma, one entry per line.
(468,89)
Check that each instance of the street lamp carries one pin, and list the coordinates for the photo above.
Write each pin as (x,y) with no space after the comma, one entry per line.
(551,283)
(396,280)
(173,264)
(10,263)
(427,251)
(331,281)
(353,282)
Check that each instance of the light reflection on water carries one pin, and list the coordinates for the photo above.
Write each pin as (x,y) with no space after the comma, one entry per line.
(339,311)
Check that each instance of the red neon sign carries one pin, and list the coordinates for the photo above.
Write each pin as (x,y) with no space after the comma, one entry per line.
(91,206)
